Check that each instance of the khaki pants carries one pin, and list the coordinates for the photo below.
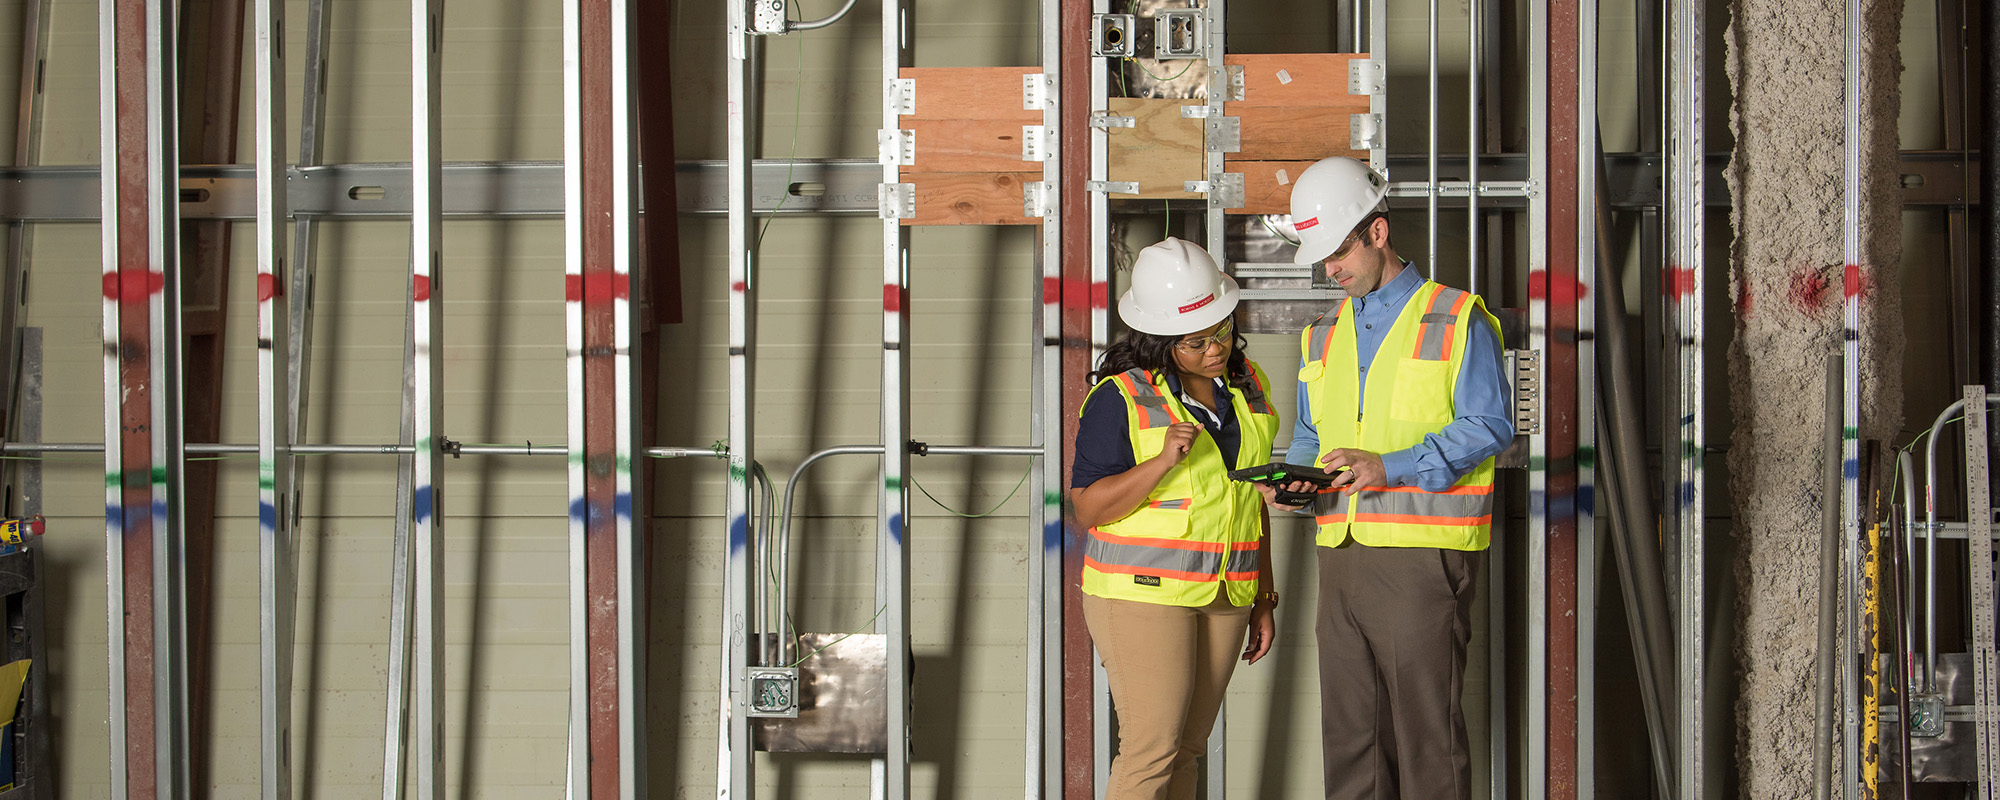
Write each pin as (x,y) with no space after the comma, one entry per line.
(1168,667)
(1393,626)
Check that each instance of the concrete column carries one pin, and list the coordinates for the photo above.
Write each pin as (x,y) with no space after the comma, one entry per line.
(1789,280)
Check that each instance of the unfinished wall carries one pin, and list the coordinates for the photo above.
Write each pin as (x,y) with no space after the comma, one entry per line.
(1789,282)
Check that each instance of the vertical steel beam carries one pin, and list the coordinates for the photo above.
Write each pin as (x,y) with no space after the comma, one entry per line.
(426,392)
(735,750)
(312,135)
(1045,575)
(1215,31)
(144,462)
(893,507)
(1582,405)
(276,588)
(1558,322)
(1684,280)
(1853,646)
(599,224)
(1083,160)
(1540,449)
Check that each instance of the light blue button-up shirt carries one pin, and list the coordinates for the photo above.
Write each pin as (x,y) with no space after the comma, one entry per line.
(1480,427)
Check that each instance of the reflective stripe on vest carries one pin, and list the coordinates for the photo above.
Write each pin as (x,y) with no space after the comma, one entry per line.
(1320,333)
(1171,558)
(1430,329)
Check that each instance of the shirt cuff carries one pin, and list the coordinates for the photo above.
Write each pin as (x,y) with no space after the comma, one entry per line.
(1399,467)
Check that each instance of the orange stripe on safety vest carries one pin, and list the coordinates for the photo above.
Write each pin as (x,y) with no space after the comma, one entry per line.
(1486,489)
(1091,563)
(1148,541)
(1463,297)
(1240,576)
(1424,328)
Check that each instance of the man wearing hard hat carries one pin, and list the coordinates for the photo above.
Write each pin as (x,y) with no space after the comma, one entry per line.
(1401,386)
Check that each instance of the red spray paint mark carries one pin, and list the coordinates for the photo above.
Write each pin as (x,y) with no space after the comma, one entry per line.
(1100,295)
(739,287)
(1051,290)
(132,286)
(596,288)
(1854,283)
(1807,289)
(892,298)
(268,286)
(1743,301)
(1677,282)
(1561,289)
(422,291)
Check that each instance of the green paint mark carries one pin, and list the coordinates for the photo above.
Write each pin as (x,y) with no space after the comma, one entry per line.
(576,458)
(424,445)
(159,475)
(893,483)
(114,479)
(1537,463)
(1586,457)
(1689,449)
(625,464)
(1850,433)
(1052,498)
(736,472)
(268,483)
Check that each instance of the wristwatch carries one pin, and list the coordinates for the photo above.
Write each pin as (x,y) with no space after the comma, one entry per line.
(1270,596)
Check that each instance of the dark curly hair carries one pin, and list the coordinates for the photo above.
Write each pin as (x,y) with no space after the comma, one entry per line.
(1154,352)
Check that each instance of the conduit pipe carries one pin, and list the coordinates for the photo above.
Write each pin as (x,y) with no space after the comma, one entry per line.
(1623,481)
(821,23)
(1930,538)
(1829,582)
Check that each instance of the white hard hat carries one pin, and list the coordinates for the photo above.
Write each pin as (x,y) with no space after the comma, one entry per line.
(1329,199)
(1176,289)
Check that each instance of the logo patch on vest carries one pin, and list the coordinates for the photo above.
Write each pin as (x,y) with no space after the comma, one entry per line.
(1146,580)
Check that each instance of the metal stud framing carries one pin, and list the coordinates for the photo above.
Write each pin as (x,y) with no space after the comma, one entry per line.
(1045,575)
(1536,709)
(734,748)
(892,590)
(426,392)
(1684,280)
(599,149)
(1850,454)
(276,570)
(142,381)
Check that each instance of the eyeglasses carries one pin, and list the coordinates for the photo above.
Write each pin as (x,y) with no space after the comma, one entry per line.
(1354,238)
(1221,338)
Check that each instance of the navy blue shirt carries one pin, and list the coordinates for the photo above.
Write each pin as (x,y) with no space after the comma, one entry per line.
(1104,440)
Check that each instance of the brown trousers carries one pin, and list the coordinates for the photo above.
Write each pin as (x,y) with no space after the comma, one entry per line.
(1393,627)
(1168,667)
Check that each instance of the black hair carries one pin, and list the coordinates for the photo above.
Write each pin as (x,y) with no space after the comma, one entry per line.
(1153,352)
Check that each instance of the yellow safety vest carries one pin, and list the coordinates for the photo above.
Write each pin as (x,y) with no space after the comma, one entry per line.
(1198,528)
(1409,395)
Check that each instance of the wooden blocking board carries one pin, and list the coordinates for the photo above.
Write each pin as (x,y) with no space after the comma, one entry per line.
(1267,185)
(970,93)
(967,145)
(1295,107)
(970,198)
(1161,151)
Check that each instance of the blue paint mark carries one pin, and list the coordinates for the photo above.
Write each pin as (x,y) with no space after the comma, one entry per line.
(1586,501)
(1687,420)
(160,508)
(1052,536)
(624,502)
(739,534)
(1851,469)
(267,516)
(576,510)
(896,528)
(1687,493)
(114,517)
(422,506)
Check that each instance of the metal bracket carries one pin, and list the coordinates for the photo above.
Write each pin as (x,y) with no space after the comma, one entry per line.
(1179,33)
(767,17)
(1035,90)
(1113,187)
(1224,134)
(1195,112)
(1099,119)
(903,95)
(1527,390)
(1232,81)
(896,147)
(1035,199)
(1114,35)
(1365,77)
(1225,188)
(1364,131)
(896,201)
(1036,143)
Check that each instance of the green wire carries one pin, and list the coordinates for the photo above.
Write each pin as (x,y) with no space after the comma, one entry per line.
(989,512)
(791,158)
(1142,69)
(850,634)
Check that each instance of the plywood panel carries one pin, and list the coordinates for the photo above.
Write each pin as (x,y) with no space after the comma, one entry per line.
(1303,133)
(970,198)
(970,93)
(968,145)
(1267,185)
(1296,79)
(1161,151)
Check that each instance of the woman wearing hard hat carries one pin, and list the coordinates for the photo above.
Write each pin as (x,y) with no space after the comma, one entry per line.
(1174,572)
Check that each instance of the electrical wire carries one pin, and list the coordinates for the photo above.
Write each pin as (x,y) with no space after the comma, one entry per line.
(849,635)
(989,512)
(791,157)
(1143,71)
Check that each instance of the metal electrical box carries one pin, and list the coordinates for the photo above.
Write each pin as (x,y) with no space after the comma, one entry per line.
(842,698)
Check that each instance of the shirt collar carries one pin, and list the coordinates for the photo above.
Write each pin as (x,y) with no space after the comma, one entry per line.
(1174,385)
(1397,290)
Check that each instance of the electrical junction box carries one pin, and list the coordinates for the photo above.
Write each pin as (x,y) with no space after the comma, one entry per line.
(1177,33)
(767,17)
(1114,35)
(774,692)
